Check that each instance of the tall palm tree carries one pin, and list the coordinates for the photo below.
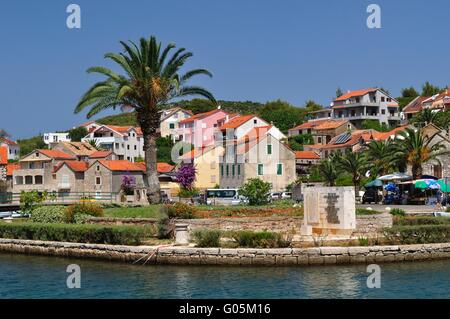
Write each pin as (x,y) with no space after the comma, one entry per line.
(328,172)
(416,149)
(150,79)
(380,156)
(355,164)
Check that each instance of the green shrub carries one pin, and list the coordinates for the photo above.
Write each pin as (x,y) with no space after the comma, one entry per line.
(420,220)
(98,234)
(365,211)
(207,237)
(187,192)
(179,210)
(164,228)
(48,214)
(421,234)
(262,239)
(397,212)
(90,209)
(256,191)
(447,209)
(363,241)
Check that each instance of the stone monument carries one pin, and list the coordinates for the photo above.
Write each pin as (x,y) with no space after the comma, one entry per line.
(328,211)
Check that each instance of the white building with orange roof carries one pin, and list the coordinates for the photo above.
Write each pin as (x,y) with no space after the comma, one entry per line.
(170,120)
(125,141)
(367,104)
(3,163)
(305,159)
(13,149)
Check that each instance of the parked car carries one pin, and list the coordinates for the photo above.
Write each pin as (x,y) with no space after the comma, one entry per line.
(275,196)
(371,196)
(286,195)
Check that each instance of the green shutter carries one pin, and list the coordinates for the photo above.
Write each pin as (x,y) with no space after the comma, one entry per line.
(239,169)
(232,170)
(279,169)
(269,149)
(228,170)
(221,169)
(171,125)
(260,169)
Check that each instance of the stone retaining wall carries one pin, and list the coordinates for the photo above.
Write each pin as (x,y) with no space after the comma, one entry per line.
(366,225)
(226,256)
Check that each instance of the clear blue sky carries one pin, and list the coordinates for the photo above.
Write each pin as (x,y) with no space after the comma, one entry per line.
(258,50)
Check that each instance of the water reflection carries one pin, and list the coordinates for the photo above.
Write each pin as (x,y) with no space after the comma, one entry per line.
(45,277)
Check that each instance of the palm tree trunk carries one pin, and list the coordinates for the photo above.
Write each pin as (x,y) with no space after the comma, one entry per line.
(150,124)
(416,171)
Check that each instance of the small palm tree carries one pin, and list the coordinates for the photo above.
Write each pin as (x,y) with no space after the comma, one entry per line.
(355,164)
(150,80)
(416,149)
(427,116)
(380,156)
(328,171)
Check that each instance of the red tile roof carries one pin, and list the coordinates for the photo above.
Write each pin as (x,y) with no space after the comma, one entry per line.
(124,129)
(7,141)
(56,154)
(11,167)
(385,135)
(236,122)
(122,165)
(100,154)
(415,105)
(200,116)
(76,166)
(328,125)
(306,155)
(3,155)
(308,125)
(355,93)
(160,167)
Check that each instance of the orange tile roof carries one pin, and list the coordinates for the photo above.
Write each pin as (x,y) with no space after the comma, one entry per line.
(200,116)
(56,154)
(236,122)
(122,165)
(415,105)
(11,167)
(124,129)
(76,166)
(3,155)
(355,93)
(160,167)
(100,154)
(386,135)
(328,125)
(306,155)
(309,124)
(7,141)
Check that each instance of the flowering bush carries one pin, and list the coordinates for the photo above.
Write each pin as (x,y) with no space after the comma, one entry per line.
(128,184)
(186,175)
(180,210)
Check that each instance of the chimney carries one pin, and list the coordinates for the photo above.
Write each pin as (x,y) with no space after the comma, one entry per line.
(219,107)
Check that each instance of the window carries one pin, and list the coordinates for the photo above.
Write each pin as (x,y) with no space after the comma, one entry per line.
(171,126)
(260,169)
(98,181)
(19,180)
(239,169)
(233,170)
(28,180)
(38,180)
(279,169)
(228,170)
(98,168)
(128,147)
(269,149)
(319,140)
(255,121)
(383,111)
(382,99)
(135,147)
(221,169)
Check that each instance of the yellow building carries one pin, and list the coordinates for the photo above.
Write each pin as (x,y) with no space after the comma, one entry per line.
(206,162)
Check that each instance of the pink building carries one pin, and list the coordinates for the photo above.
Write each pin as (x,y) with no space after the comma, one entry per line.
(199,129)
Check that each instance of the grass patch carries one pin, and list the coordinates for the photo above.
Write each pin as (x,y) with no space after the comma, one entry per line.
(420,234)
(152,211)
(365,211)
(420,220)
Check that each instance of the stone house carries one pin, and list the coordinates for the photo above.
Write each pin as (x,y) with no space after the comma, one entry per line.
(304,160)
(69,176)
(257,155)
(440,168)
(36,171)
(81,150)
(322,131)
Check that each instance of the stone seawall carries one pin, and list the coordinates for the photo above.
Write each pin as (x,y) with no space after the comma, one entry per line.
(226,256)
